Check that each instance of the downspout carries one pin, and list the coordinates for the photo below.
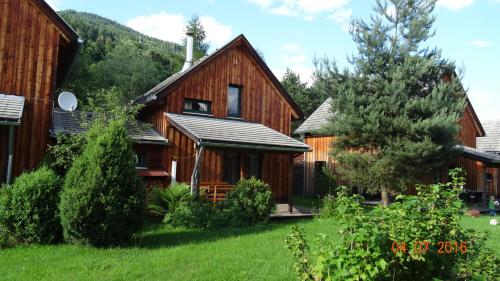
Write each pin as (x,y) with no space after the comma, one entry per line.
(11,154)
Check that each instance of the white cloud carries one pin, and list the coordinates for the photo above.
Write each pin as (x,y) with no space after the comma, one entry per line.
(308,9)
(170,27)
(480,43)
(293,57)
(54,4)
(342,17)
(455,5)
(482,100)
(217,33)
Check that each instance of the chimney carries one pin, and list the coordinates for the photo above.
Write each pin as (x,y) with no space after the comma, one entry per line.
(189,52)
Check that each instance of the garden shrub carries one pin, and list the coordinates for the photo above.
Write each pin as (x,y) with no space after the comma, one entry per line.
(198,213)
(339,206)
(28,207)
(103,201)
(249,202)
(60,156)
(163,200)
(371,245)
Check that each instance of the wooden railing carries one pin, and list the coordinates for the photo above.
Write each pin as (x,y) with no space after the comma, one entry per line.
(216,191)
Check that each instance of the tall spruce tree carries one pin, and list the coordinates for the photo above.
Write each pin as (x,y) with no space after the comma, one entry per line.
(396,118)
(200,46)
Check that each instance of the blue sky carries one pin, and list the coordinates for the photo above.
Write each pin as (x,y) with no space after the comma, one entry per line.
(291,33)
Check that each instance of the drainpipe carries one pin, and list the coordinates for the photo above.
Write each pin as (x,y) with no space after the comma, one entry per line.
(11,154)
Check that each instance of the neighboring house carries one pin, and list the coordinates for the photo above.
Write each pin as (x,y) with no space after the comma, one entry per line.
(474,158)
(144,137)
(226,117)
(37,47)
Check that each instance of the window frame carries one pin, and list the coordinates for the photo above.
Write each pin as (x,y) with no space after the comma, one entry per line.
(209,106)
(240,94)
(144,155)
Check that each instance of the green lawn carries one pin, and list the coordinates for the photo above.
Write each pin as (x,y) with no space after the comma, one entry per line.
(255,253)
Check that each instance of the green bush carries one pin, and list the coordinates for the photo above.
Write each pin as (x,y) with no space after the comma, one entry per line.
(28,207)
(103,201)
(163,200)
(249,202)
(199,213)
(60,156)
(388,243)
(325,182)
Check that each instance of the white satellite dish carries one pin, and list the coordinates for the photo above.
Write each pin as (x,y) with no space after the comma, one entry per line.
(67,101)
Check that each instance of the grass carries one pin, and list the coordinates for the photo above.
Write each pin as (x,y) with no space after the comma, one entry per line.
(253,253)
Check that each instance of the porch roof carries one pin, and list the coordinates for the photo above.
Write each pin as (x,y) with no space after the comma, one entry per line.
(11,109)
(482,156)
(206,131)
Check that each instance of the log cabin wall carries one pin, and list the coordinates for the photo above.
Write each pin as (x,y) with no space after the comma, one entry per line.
(261,102)
(29,51)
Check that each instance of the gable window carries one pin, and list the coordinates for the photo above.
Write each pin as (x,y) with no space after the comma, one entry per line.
(234,101)
(231,166)
(197,106)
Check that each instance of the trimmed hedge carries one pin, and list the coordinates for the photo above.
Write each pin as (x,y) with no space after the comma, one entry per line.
(28,207)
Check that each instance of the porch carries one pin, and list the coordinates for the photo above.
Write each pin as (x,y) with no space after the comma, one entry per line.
(226,150)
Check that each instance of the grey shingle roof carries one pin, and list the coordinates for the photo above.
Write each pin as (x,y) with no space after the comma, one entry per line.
(71,123)
(233,133)
(317,119)
(476,154)
(11,109)
(490,142)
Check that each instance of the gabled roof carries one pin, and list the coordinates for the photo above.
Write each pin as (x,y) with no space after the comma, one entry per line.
(214,132)
(11,109)
(490,142)
(317,119)
(479,127)
(162,88)
(71,123)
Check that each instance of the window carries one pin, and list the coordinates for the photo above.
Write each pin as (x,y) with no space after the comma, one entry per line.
(254,165)
(234,101)
(141,159)
(197,106)
(319,168)
(231,167)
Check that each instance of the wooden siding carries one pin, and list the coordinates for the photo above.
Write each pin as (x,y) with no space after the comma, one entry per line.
(29,51)
(261,102)
(320,146)
(474,179)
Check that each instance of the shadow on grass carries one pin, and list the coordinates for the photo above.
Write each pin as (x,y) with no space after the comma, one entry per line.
(160,236)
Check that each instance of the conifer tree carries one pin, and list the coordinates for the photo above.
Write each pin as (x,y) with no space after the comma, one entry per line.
(396,118)
(200,46)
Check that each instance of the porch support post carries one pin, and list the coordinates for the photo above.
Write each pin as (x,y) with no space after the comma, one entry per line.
(195,177)
(10,154)
(485,185)
(290,184)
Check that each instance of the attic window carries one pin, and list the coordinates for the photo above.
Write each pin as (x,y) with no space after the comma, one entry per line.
(197,106)
(234,101)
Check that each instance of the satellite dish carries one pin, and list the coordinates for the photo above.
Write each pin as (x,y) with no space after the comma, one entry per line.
(67,101)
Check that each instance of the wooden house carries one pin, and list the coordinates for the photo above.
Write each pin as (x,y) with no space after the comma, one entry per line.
(37,48)
(477,159)
(226,117)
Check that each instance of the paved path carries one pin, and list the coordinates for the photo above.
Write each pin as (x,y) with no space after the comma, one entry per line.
(297,212)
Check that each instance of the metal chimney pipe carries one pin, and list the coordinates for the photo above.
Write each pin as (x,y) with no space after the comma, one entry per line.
(189,52)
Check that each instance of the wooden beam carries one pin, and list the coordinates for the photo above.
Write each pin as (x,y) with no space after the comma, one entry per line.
(485,185)
(290,184)
(195,177)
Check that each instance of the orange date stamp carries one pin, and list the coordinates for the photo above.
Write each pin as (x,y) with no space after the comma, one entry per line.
(424,247)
